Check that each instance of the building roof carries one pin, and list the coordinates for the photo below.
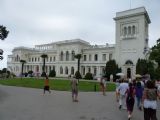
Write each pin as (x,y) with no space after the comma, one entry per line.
(132,12)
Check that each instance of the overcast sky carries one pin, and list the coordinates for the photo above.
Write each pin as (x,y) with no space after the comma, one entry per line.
(33,22)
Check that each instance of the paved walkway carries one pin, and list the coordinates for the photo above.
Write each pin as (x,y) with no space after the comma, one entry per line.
(18,103)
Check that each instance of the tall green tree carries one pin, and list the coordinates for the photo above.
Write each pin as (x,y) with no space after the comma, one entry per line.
(3,32)
(144,66)
(141,67)
(1,53)
(44,56)
(155,53)
(3,35)
(22,62)
(111,68)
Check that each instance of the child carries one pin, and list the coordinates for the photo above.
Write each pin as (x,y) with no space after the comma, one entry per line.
(46,86)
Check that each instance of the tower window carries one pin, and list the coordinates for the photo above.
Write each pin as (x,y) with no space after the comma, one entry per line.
(129,30)
(133,30)
(125,31)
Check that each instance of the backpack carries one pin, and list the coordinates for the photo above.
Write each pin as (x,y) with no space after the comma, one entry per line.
(151,94)
(130,94)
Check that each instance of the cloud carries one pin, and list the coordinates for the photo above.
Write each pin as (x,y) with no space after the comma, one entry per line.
(32,22)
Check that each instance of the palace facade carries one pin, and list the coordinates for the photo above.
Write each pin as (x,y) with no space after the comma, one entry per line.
(131,44)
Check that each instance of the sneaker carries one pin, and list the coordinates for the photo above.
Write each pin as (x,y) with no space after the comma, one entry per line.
(140,108)
(129,117)
(76,100)
(120,106)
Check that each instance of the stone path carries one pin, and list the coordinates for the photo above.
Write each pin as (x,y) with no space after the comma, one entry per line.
(18,103)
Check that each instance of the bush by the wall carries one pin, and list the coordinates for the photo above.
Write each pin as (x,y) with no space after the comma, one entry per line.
(88,76)
(78,75)
(52,73)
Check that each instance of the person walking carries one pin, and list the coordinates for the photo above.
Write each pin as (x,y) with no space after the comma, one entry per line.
(46,85)
(139,94)
(74,87)
(130,100)
(122,91)
(118,81)
(150,95)
(104,86)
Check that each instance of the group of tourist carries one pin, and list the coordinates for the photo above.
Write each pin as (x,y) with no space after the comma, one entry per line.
(146,93)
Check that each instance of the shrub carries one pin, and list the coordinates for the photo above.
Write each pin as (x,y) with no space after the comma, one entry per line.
(52,73)
(78,75)
(88,76)
(43,74)
(30,73)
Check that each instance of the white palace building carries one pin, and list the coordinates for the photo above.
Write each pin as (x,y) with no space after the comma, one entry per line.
(131,44)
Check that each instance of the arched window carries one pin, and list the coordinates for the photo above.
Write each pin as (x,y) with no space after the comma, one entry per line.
(83,70)
(133,29)
(53,67)
(61,70)
(95,71)
(66,70)
(128,72)
(67,56)
(17,58)
(129,30)
(129,62)
(95,57)
(89,69)
(125,31)
(72,70)
(61,56)
(73,54)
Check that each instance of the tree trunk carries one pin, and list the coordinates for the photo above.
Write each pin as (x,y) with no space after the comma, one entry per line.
(78,64)
(43,64)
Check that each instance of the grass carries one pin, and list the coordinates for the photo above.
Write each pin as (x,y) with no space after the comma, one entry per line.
(56,84)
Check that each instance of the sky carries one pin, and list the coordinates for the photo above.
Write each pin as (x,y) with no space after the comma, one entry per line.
(34,22)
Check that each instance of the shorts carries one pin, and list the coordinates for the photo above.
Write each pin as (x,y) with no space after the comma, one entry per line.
(46,87)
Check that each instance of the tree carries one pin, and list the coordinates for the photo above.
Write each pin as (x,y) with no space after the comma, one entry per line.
(44,56)
(1,53)
(88,76)
(78,57)
(3,35)
(78,75)
(141,67)
(3,32)
(155,53)
(52,73)
(22,62)
(144,66)
(111,68)
(30,73)
(5,73)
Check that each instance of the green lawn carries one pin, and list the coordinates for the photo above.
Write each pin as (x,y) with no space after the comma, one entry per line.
(62,85)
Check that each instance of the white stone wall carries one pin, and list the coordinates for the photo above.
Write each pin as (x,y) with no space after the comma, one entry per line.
(128,47)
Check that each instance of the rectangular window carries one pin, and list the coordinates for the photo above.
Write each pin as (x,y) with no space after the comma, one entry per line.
(110,56)
(50,59)
(90,58)
(84,58)
(104,57)
(95,57)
